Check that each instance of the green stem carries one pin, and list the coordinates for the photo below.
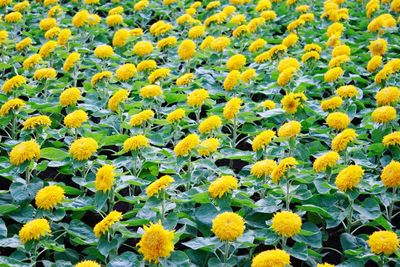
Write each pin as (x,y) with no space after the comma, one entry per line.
(189,171)
(391,206)
(28,174)
(234,132)
(163,204)
(350,216)
(287,195)
(226,251)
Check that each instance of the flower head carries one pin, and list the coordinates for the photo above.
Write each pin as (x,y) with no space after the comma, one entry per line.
(120,38)
(45,73)
(176,115)
(197,97)
(222,185)
(185,79)
(187,49)
(331,103)
(105,178)
(103,51)
(70,96)
(151,91)
(333,74)
(236,62)
(392,139)
(385,242)
(143,48)
(384,114)
(75,119)
(349,177)
(119,97)
(25,151)
(263,168)
(125,72)
(271,258)
(187,144)
(210,124)
(156,242)
(347,91)
(390,175)
(232,108)
(263,139)
(388,95)
(208,146)
(104,225)
(283,166)
(71,60)
(13,83)
(158,185)
(36,121)
(289,129)
(328,159)
(34,230)
(48,197)
(83,148)
(87,264)
(231,80)
(341,141)
(338,120)
(286,223)
(136,142)
(141,117)
(13,104)
(228,226)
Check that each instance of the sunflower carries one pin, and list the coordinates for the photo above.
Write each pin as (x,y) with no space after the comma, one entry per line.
(222,185)
(104,225)
(390,175)
(228,226)
(349,177)
(286,223)
(105,177)
(271,258)
(83,148)
(25,151)
(383,242)
(34,230)
(160,184)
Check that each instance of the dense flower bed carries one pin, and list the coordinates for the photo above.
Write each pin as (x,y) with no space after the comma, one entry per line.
(184,133)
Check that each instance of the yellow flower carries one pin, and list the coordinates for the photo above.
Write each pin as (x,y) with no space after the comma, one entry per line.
(176,115)
(196,32)
(240,31)
(231,80)
(83,148)
(310,55)
(263,139)
(160,27)
(325,265)
(158,185)
(113,20)
(332,103)
(247,75)
(341,141)
(105,178)
(103,51)
(290,102)
(232,108)
(3,36)
(333,74)
(220,43)
(143,48)
(36,121)
(70,96)
(392,139)
(208,146)
(146,65)
(295,24)
(228,226)
(263,168)
(257,44)
(289,129)
(282,167)
(31,61)
(168,41)
(161,73)
(385,242)
(222,185)
(286,223)
(197,97)
(255,23)
(104,75)
(268,104)
(338,120)
(287,63)
(238,19)
(187,144)
(271,258)
(75,119)
(349,177)
(141,5)
(236,62)
(93,19)
(13,17)
(347,91)
(286,75)
(384,114)
(141,117)
(213,4)
(34,230)
(185,79)
(341,50)
(25,151)
(338,61)
(210,124)
(390,175)
(48,197)
(378,47)
(87,264)
(388,95)
(125,72)
(45,73)
(55,11)
(328,159)
(11,104)
(80,18)
(290,40)
(23,43)
(150,91)
(21,6)
(71,60)
(116,10)
(13,83)
(47,48)
(374,63)
(206,43)
(136,142)
(268,15)
(120,38)
(104,225)
(156,242)
(119,97)
(187,49)
(91,2)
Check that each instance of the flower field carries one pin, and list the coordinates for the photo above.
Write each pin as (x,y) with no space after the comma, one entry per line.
(257,133)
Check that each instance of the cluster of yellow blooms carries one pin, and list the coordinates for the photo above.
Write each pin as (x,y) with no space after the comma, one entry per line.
(197,75)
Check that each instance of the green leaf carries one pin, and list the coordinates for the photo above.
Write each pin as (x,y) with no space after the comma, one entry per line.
(316,209)
(52,153)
